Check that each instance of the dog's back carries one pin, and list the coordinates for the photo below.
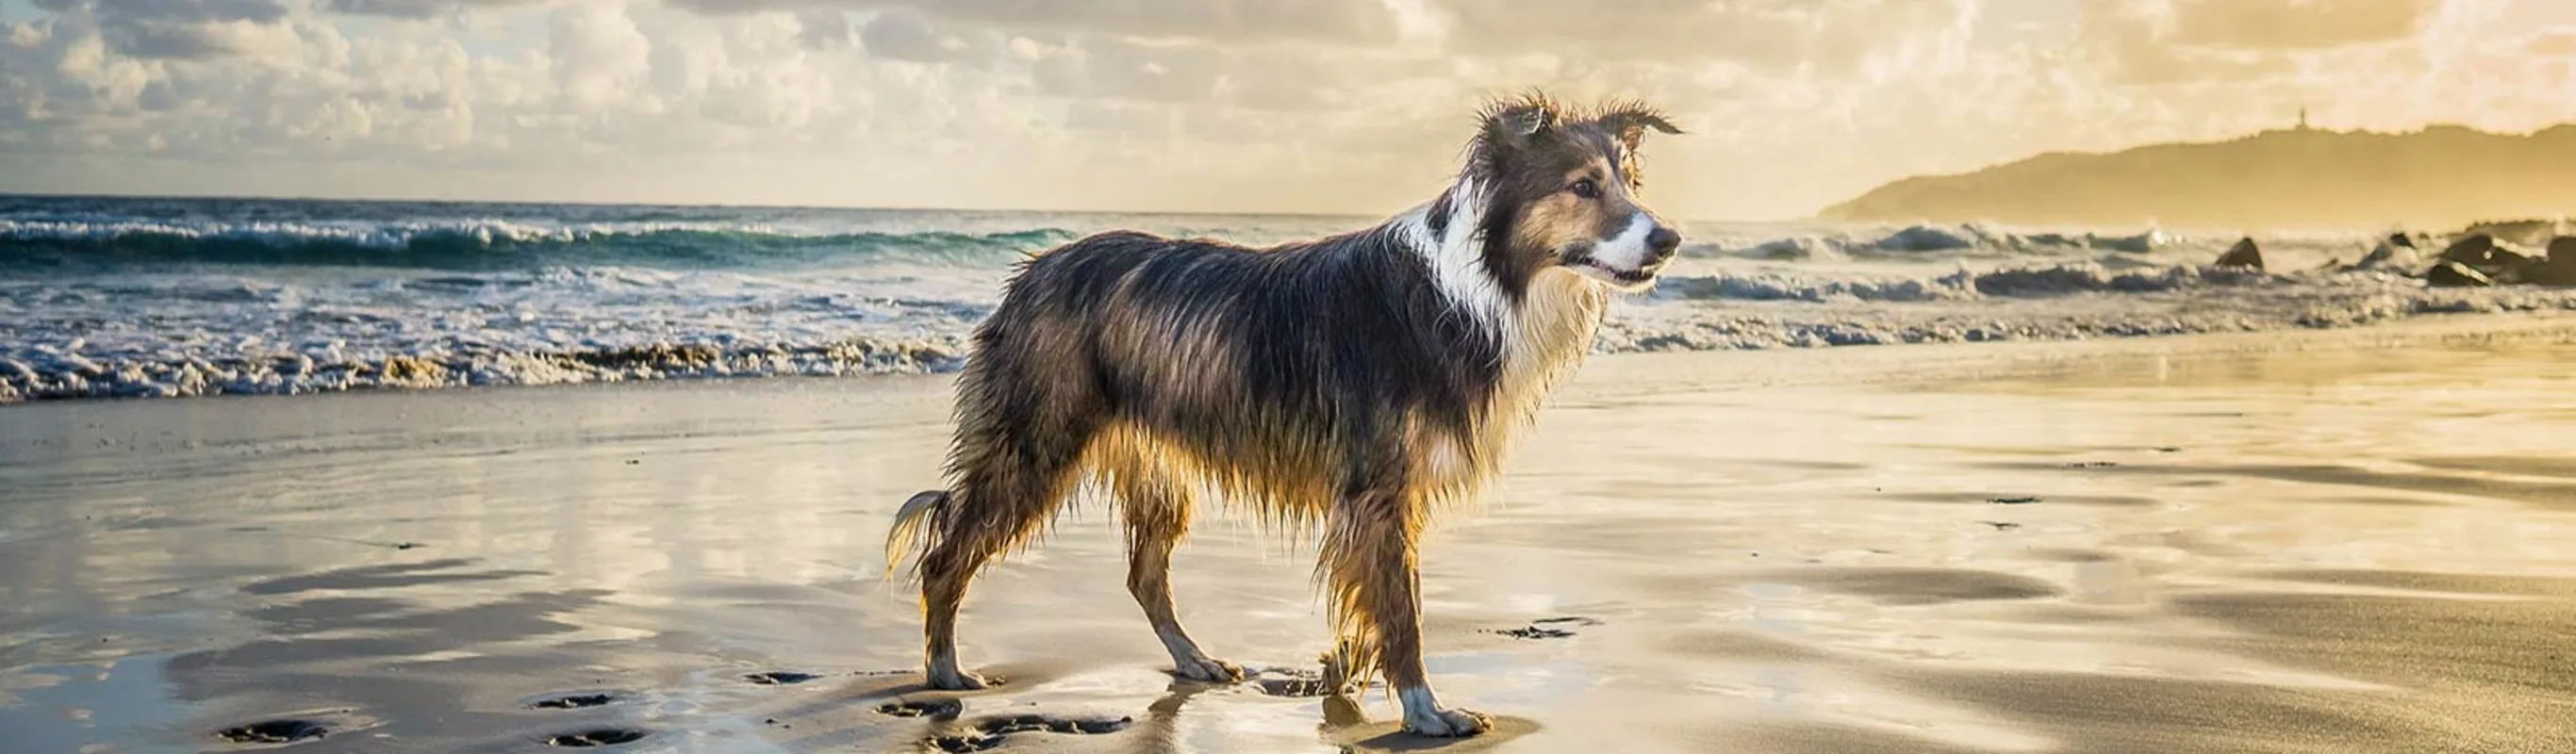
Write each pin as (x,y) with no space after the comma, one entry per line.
(1264,357)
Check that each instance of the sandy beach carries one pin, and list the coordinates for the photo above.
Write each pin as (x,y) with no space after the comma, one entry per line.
(2358,540)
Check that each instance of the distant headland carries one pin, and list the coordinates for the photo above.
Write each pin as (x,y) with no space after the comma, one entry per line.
(2301,178)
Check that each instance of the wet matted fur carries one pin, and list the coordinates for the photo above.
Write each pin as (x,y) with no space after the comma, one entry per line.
(1345,386)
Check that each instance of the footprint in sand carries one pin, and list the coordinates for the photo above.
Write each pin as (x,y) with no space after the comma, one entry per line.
(572,701)
(1291,684)
(990,733)
(274,732)
(1547,628)
(599,737)
(938,709)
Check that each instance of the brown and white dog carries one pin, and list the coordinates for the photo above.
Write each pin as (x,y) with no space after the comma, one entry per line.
(1353,382)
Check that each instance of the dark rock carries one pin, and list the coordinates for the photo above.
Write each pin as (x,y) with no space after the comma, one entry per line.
(2452,274)
(2472,250)
(2243,254)
(2559,268)
(1926,238)
(2401,241)
(2509,266)
(2402,258)
(2555,273)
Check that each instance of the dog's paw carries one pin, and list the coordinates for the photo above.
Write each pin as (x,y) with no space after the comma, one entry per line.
(1204,669)
(958,680)
(1448,723)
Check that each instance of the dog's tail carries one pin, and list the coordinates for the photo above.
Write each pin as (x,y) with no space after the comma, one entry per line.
(915,531)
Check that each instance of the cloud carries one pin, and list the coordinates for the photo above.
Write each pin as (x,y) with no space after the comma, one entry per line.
(1832,36)
(182,29)
(1233,105)
(417,9)
(2135,42)
(907,35)
(2552,44)
(826,29)
(2297,24)
(598,54)
(1110,68)
(1337,21)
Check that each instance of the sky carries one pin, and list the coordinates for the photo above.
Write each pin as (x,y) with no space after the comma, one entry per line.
(1314,106)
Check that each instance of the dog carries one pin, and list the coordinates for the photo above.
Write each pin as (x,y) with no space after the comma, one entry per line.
(1346,386)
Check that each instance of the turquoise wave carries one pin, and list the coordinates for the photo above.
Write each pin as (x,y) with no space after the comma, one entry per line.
(72,244)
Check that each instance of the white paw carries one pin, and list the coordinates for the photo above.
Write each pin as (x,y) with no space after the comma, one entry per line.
(1448,723)
(956,680)
(1208,670)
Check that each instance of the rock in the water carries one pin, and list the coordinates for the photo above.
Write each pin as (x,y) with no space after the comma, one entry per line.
(2400,240)
(1926,238)
(2553,272)
(2471,250)
(2452,274)
(2559,268)
(2243,254)
(2390,256)
(2507,256)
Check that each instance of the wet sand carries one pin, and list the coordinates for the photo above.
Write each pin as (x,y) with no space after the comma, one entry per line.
(2357,541)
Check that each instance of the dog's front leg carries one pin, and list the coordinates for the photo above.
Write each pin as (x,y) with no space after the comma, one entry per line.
(1369,551)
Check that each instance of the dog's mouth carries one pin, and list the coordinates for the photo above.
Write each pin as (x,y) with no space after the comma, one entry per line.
(1625,280)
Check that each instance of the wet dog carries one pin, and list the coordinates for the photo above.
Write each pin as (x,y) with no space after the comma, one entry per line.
(1346,386)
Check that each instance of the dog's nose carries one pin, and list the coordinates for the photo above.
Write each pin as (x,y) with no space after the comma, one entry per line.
(1664,241)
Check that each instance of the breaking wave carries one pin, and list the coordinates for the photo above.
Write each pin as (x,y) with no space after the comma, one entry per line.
(490,245)
(2054,280)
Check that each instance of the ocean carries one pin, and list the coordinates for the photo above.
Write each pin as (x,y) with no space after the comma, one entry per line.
(167,297)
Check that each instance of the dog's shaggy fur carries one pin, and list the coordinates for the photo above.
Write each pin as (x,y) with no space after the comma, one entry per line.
(1353,382)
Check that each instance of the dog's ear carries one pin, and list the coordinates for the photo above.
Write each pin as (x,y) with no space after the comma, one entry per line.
(1629,122)
(1510,125)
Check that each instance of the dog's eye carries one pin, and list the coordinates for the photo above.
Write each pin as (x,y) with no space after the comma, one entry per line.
(1587,189)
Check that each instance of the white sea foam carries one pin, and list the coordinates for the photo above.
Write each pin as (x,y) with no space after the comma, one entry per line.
(80,316)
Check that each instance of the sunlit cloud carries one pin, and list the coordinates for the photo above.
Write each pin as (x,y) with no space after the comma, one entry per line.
(1243,105)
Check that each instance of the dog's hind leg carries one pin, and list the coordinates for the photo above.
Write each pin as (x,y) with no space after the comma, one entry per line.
(1157,514)
(1012,477)
(1368,560)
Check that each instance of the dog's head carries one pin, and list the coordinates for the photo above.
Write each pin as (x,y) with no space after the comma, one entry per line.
(1564,187)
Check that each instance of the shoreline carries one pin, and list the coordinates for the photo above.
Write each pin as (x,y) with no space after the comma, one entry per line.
(1664,329)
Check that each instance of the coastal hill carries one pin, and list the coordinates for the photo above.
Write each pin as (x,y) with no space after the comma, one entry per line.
(2442,176)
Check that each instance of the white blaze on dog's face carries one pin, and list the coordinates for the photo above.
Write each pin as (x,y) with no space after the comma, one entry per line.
(1573,187)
